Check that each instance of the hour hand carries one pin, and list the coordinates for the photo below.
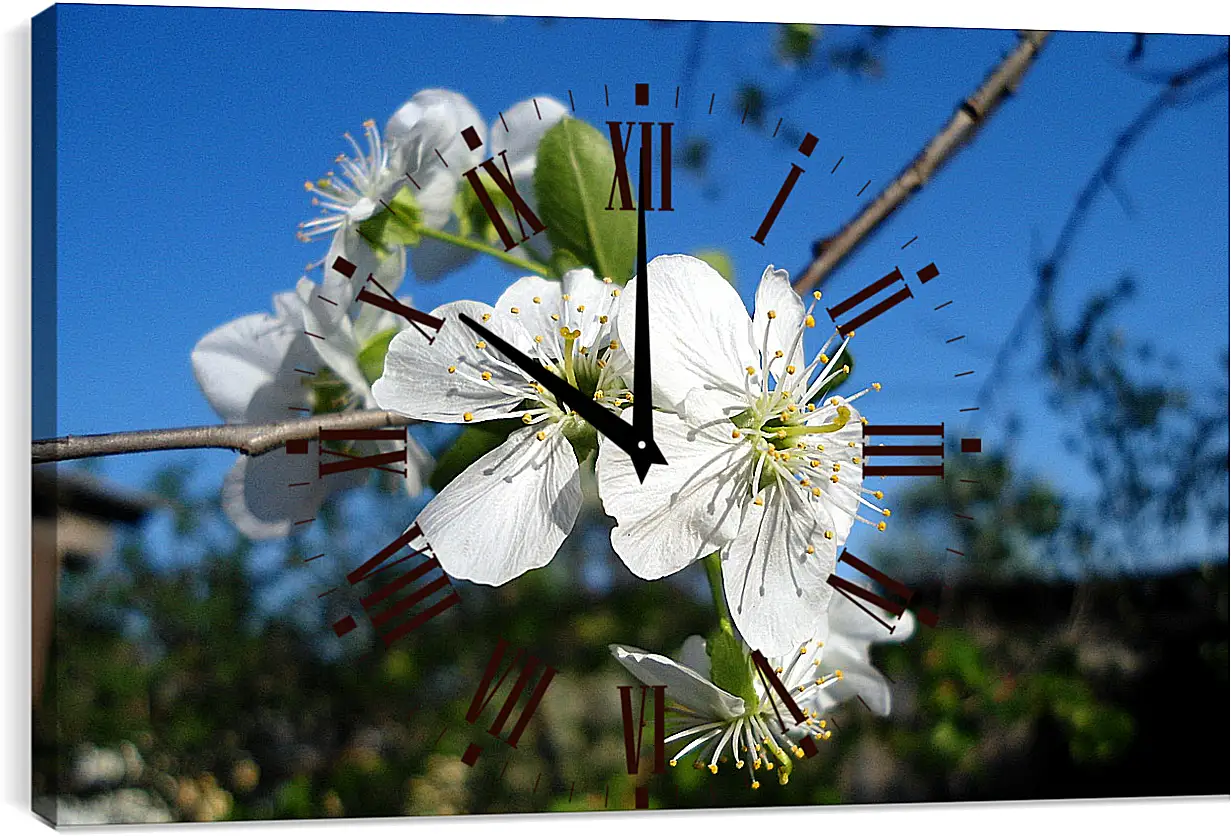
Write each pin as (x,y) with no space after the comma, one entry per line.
(641,450)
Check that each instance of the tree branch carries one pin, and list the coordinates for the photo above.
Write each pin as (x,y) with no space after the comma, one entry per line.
(246,439)
(968,118)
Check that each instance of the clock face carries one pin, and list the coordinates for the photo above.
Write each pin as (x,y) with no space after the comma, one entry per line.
(623,438)
(741,441)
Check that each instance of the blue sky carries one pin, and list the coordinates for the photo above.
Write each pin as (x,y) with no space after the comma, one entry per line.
(185,136)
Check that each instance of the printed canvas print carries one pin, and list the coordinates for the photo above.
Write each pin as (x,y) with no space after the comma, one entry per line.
(453,414)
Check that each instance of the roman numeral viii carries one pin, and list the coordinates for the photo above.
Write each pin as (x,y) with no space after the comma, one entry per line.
(389,607)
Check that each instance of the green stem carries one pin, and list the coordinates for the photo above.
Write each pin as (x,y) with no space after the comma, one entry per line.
(713,572)
(472,244)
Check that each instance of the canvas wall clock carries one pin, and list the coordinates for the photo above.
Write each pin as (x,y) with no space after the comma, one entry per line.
(626,431)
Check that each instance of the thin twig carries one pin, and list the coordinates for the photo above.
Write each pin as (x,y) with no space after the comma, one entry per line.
(246,439)
(968,118)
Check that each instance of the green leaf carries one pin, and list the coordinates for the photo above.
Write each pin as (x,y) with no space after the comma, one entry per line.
(372,355)
(572,182)
(730,667)
(720,261)
(473,443)
(397,226)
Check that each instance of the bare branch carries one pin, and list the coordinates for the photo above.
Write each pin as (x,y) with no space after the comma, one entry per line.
(970,115)
(246,439)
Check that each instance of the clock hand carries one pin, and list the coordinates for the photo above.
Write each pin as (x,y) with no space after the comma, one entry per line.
(607,423)
(643,384)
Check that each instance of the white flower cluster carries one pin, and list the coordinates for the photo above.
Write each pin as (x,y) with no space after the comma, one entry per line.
(306,358)
(760,469)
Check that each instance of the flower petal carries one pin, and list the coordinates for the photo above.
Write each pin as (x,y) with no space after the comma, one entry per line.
(432,120)
(340,290)
(264,496)
(840,500)
(417,382)
(535,317)
(508,512)
(695,655)
(237,359)
(782,332)
(684,510)
(776,590)
(684,685)
(700,337)
(526,122)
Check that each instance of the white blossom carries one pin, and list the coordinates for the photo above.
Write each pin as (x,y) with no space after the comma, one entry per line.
(510,510)
(267,368)
(757,469)
(821,673)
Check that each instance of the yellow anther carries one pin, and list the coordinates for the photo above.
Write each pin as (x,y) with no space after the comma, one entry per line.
(485,375)
(886,512)
(673,763)
(809,321)
(814,463)
(811,407)
(486,317)
(606,280)
(846,368)
(598,394)
(583,350)
(615,344)
(369,123)
(565,297)
(735,434)
(876,385)
(565,332)
(816,295)
(481,345)
(837,467)
(863,420)
(833,478)
(824,358)
(541,435)
(777,353)
(838,674)
(829,534)
(467,416)
(855,460)
(452,370)
(758,502)
(713,768)
(771,314)
(556,317)
(515,310)
(850,445)
(881,526)
(615,292)
(790,370)
(810,550)
(878,494)
(750,370)
(602,318)
(822,723)
(581,308)
(538,338)
(835,401)
(538,299)
(756,784)
(527,418)
(816,491)
(805,482)
(739,763)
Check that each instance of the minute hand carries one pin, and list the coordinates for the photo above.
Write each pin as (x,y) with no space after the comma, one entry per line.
(603,420)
